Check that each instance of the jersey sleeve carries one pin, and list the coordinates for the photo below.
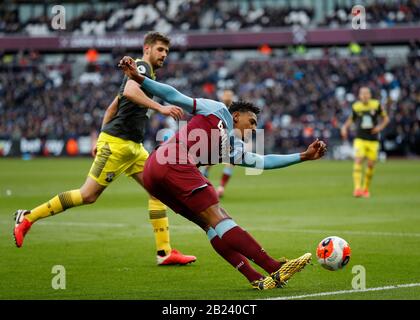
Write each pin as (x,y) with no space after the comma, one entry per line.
(382,111)
(169,94)
(190,105)
(353,112)
(237,151)
(144,69)
(207,106)
(239,156)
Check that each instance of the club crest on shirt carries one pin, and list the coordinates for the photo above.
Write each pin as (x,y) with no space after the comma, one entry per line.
(141,69)
(110,176)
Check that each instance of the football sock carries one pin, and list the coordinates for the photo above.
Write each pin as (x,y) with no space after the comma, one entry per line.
(241,241)
(237,260)
(368,178)
(227,173)
(160,224)
(357,175)
(59,203)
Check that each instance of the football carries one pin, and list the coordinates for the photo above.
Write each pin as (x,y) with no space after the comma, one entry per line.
(333,253)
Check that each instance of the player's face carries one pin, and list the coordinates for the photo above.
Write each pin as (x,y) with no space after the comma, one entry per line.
(157,54)
(245,122)
(364,95)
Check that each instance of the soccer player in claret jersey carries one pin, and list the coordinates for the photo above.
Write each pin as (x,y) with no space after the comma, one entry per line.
(227,99)
(171,175)
(366,113)
(119,149)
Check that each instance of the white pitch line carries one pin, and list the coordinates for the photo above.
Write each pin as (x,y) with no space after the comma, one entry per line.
(333,293)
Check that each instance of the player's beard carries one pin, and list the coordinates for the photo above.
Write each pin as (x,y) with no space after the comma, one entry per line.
(158,63)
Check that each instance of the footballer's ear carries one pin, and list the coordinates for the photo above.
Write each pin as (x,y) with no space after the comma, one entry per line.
(235,116)
(146,49)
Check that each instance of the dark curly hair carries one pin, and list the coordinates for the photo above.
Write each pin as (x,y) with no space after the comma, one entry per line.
(243,106)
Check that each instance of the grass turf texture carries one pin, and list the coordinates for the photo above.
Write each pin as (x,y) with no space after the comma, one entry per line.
(108,248)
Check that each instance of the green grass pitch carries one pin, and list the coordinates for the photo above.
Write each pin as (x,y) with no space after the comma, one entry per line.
(108,249)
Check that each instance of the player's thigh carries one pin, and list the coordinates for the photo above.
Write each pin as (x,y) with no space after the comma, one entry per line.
(180,187)
(210,217)
(168,197)
(202,219)
(192,189)
(110,161)
(372,151)
(213,215)
(137,166)
(138,177)
(359,148)
(154,203)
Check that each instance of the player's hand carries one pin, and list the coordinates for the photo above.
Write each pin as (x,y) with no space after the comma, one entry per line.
(128,66)
(127,61)
(316,150)
(172,111)
(375,130)
(344,133)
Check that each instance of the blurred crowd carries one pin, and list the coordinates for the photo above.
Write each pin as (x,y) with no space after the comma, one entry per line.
(38,100)
(300,99)
(381,13)
(303,99)
(204,15)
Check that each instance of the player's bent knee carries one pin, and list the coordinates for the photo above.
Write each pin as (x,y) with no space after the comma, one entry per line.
(89,197)
(224,213)
(91,191)
(358,160)
(213,215)
(371,164)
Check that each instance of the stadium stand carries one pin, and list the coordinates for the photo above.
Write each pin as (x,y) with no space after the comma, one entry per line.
(384,14)
(301,99)
(205,15)
(58,95)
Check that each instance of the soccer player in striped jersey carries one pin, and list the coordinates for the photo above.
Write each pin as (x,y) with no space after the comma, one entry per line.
(213,134)
(119,149)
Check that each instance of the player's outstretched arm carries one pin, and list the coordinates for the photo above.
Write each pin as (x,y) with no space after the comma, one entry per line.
(315,151)
(133,93)
(163,91)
